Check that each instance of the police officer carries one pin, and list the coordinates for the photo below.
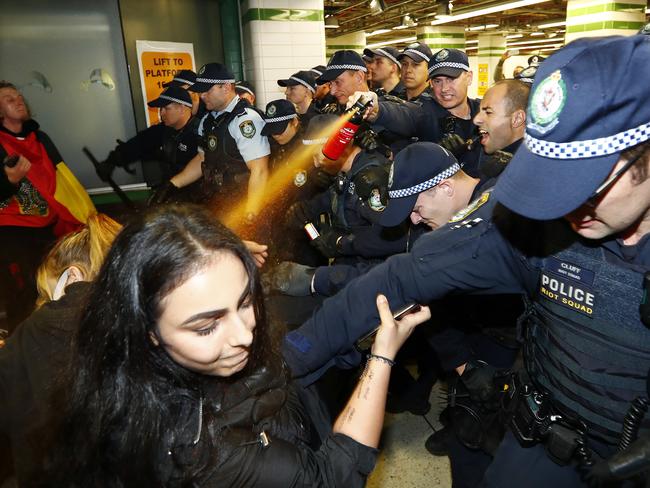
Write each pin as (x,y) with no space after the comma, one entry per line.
(171,144)
(322,97)
(345,73)
(385,69)
(184,79)
(351,233)
(586,339)
(246,92)
(501,123)
(447,112)
(234,155)
(414,61)
(300,90)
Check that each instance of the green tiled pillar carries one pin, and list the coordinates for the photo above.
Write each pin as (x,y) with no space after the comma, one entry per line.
(443,36)
(595,18)
(280,38)
(490,49)
(231,38)
(355,41)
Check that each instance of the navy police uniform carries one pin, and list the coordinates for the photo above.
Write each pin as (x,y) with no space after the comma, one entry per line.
(586,348)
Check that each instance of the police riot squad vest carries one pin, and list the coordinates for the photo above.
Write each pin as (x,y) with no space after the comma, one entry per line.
(343,195)
(223,164)
(585,342)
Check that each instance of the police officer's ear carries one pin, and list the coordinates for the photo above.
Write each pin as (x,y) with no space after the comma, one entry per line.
(469,77)
(447,187)
(518,119)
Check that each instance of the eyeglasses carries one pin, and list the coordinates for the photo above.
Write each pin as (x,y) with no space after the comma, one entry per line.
(592,200)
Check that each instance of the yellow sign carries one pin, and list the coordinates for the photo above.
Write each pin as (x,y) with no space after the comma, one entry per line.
(159,62)
(483,78)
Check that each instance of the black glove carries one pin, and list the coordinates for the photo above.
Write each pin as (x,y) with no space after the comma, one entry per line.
(454,144)
(322,179)
(366,140)
(298,215)
(370,181)
(105,168)
(289,278)
(162,194)
(626,464)
(495,163)
(326,243)
(478,378)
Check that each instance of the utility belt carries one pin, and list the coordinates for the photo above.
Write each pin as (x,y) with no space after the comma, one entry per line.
(215,178)
(533,418)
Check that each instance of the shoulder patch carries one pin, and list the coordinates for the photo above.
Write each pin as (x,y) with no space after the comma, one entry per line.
(471,208)
(247,129)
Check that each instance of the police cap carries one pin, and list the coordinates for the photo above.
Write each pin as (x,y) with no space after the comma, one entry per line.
(584,111)
(319,129)
(244,87)
(418,52)
(448,62)
(277,116)
(211,74)
(387,52)
(172,94)
(416,168)
(183,77)
(340,62)
(303,78)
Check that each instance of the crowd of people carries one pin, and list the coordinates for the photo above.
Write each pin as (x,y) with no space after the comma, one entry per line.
(246,329)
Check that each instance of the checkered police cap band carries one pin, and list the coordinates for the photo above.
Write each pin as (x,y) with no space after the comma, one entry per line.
(281,118)
(244,88)
(420,187)
(525,80)
(389,56)
(355,67)
(303,83)
(448,64)
(313,142)
(213,81)
(415,51)
(176,100)
(603,146)
(183,81)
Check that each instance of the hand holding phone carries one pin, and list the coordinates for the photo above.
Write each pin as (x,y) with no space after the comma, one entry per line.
(366,342)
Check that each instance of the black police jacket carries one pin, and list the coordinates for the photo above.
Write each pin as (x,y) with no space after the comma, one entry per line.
(430,122)
(172,149)
(586,345)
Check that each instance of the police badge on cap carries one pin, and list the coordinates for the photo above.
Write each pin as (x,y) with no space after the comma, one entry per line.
(271,110)
(547,102)
(442,55)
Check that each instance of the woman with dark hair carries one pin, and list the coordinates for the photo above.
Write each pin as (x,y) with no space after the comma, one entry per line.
(176,380)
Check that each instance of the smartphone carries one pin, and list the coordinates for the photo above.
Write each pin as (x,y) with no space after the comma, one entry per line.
(311,230)
(366,342)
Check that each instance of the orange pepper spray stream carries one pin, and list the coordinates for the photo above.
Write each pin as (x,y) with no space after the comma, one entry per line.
(282,179)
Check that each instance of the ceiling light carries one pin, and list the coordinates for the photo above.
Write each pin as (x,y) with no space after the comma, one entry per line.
(377,32)
(552,24)
(394,41)
(331,23)
(537,34)
(514,36)
(482,27)
(539,46)
(472,41)
(523,43)
(487,11)
(471,47)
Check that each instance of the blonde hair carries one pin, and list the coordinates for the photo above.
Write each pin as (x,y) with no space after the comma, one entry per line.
(85,248)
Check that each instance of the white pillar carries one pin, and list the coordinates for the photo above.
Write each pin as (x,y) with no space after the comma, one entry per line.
(280,37)
(438,37)
(490,49)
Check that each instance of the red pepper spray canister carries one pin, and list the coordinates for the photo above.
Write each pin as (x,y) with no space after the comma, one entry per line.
(338,141)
